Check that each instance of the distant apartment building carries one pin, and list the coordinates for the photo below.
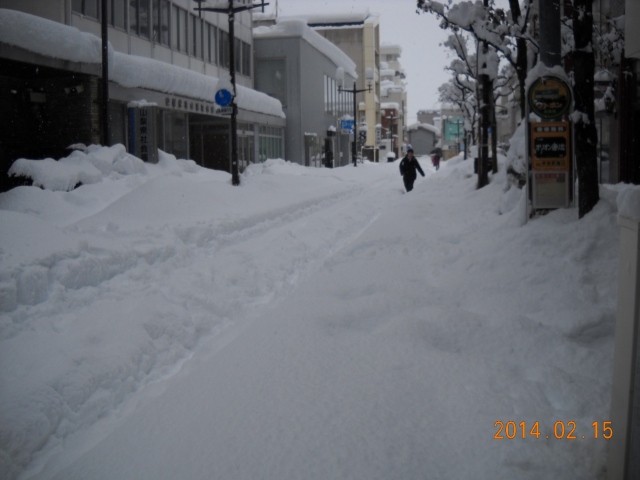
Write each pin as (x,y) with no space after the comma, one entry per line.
(163,52)
(428,116)
(393,97)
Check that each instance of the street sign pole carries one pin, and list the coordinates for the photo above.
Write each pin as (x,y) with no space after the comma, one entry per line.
(235,176)
(230,10)
(354,146)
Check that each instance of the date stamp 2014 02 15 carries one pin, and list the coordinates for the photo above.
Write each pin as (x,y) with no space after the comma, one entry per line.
(561,430)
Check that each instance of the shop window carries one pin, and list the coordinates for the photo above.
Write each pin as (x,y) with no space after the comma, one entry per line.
(178,34)
(223,48)
(140,17)
(197,37)
(89,8)
(246,59)
(211,50)
(176,134)
(117,13)
(237,53)
(161,24)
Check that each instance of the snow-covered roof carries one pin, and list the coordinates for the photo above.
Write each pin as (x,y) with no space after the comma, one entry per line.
(390,106)
(389,48)
(49,38)
(423,126)
(259,16)
(351,19)
(55,40)
(297,27)
(354,16)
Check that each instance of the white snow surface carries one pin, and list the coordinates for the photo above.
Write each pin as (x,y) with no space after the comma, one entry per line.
(55,40)
(629,203)
(310,323)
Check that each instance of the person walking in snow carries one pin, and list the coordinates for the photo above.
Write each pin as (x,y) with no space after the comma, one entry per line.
(408,166)
(436,155)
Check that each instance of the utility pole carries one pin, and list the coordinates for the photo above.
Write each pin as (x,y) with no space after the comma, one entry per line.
(485,101)
(550,41)
(230,10)
(354,147)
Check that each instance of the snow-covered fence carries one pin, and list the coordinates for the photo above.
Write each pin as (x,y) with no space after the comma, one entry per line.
(624,446)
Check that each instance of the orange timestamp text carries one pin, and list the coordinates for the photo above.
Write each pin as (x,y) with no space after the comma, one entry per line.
(561,430)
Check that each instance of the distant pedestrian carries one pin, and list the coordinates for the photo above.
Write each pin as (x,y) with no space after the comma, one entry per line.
(436,155)
(408,166)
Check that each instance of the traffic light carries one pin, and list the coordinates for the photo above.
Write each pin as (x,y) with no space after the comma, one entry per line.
(362,136)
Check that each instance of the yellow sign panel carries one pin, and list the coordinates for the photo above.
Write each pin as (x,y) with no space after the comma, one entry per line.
(551,146)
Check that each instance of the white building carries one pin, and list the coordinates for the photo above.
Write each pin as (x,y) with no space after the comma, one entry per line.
(299,67)
(393,94)
(356,33)
(162,51)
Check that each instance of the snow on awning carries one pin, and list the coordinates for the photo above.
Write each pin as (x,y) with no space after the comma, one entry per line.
(49,38)
(140,72)
(55,40)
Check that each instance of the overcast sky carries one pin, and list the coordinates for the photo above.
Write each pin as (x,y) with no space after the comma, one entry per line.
(423,59)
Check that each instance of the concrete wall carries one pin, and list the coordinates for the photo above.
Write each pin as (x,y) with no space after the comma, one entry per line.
(632,32)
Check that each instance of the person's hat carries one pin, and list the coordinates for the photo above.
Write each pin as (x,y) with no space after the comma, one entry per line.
(410,150)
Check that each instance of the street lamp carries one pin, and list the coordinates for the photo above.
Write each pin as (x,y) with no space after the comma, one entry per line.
(369,77)
(231,10)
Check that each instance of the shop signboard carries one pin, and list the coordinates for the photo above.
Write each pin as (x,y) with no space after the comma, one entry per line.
(453,130)
(549,97)
(551,163)
(550,143)
(143,131)
(347,126)
(550,146)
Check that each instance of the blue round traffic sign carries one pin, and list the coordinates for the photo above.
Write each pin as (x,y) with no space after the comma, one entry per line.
(223,97)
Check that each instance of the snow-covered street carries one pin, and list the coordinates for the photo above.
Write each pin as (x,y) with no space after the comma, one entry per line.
(158,323)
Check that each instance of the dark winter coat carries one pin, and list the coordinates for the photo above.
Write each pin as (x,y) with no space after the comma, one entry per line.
(408,167)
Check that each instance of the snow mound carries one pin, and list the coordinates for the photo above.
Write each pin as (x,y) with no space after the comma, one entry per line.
(628,202)
(79,168)
(274,167)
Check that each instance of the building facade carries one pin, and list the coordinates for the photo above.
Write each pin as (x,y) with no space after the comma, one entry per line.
(423,138)
(300,68)
(163,52)
(358,35)
(451,125)
(394,95)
